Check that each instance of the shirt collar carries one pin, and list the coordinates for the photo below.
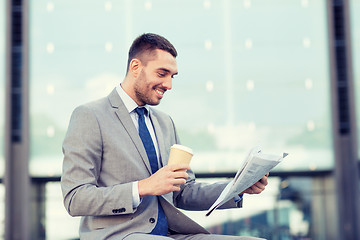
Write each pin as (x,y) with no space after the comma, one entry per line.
(129,103)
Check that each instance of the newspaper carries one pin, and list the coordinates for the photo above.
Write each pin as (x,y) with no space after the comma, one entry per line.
(253,168)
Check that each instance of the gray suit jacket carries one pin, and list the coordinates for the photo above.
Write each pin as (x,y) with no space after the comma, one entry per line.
(104,155)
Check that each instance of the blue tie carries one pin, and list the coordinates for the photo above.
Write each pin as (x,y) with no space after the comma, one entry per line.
(161,227)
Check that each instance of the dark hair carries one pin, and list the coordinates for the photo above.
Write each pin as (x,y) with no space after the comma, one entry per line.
(149,42)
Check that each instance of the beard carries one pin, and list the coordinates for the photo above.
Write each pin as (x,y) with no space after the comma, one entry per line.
(144,92)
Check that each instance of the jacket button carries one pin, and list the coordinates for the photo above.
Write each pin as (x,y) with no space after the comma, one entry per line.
(122,209)
(152,220)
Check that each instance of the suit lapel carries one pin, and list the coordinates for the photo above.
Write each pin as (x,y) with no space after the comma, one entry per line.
(125,119)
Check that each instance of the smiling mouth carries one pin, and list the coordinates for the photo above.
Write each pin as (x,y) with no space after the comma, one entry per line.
(160,92)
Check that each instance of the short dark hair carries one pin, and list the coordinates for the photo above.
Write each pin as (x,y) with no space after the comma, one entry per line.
(149,42)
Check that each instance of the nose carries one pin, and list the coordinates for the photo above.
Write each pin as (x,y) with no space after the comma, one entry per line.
(167,83)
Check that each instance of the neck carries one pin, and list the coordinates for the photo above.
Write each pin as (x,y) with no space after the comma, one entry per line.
(129,90)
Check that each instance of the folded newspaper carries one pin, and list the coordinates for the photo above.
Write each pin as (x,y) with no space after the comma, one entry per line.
(254,167)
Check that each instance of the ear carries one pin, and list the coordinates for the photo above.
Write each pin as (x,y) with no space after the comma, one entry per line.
(135,67)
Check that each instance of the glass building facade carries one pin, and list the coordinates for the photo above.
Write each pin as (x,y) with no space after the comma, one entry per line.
(2,108)
(2,84)
(251,73)
(355,30)
(248,81)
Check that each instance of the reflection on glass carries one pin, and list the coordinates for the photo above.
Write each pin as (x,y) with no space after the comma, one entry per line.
(249,74)
(270,87)
(355,34)
(2,112)
(284,211)
(2,86)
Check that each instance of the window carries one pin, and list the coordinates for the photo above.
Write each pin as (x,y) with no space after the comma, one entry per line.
(242,81)
(2,108)
(250,73)
(69,66)
(355,31)
(2,86)
(254,74)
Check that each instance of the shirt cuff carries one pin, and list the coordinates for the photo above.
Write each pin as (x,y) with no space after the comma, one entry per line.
(238,198)
(135,194)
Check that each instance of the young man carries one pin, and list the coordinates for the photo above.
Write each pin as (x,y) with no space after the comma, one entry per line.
(115,172)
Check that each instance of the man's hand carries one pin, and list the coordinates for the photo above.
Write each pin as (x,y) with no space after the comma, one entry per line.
(258,187)
(166,179)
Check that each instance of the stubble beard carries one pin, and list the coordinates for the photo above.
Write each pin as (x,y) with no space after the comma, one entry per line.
(142,91)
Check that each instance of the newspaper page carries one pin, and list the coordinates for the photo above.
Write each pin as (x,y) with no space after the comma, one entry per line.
(254,167)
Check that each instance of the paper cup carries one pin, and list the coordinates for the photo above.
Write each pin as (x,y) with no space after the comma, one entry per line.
(180,154)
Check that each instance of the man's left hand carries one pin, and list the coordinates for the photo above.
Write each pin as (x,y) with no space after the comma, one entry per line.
(258,187)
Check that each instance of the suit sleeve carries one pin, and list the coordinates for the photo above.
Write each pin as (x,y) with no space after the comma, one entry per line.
(83,155)
(199,196)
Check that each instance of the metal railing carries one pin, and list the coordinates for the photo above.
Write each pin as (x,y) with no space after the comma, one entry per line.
(38,193)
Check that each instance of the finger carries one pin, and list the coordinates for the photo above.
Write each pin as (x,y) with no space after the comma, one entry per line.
(180,166)
(263,180)
(256,190)
(258,186)
(178,181)
(176,188)
(181,174)
(249,191)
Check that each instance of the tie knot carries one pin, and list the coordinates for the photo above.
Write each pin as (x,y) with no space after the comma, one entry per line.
(140,111)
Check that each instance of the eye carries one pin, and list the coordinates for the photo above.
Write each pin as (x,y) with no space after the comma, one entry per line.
(161,74)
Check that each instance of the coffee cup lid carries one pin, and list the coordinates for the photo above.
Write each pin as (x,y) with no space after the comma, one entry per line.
(182,147)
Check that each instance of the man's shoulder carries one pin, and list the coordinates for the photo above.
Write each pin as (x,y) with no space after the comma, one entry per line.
(95,104)
(96,107)
(100,103)
(162,117)
(158,113)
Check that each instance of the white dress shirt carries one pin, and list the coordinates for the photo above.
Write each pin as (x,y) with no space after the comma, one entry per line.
(131,105)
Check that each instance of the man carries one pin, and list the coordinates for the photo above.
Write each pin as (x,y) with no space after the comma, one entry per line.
(115,172)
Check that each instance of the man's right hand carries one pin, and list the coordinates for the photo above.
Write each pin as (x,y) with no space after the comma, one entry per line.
(166,179)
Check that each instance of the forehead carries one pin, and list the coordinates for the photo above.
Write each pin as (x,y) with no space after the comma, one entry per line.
(160,59)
